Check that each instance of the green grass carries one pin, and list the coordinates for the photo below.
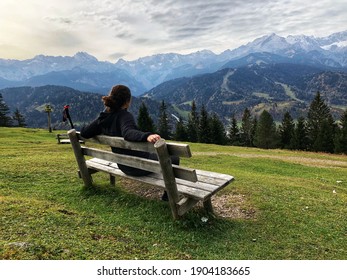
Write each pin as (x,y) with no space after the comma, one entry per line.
(289,205)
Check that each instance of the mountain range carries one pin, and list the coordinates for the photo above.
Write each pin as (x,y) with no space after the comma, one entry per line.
(84,72)
(272,72)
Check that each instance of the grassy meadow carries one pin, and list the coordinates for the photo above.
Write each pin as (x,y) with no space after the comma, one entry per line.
(282,205)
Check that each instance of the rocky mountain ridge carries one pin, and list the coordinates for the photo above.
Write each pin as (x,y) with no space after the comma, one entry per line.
(148,72)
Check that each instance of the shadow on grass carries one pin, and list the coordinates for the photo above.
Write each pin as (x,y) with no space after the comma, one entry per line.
(139,211)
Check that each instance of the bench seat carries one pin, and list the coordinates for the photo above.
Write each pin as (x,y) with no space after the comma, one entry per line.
(208,183)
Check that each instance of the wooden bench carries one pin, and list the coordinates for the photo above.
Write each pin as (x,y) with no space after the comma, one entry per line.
(185,186)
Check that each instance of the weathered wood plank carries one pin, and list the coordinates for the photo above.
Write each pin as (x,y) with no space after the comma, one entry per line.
(216,175)
(141,163)
(180,150)
(119,142)
(185,204)
(185,173)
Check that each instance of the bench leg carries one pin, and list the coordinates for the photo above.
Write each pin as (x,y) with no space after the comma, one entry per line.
(87,178)
(112,180)
(208,205)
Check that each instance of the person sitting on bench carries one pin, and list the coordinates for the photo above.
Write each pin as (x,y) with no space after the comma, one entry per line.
(117,121)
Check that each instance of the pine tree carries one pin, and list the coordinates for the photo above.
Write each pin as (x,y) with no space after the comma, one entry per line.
(234,133)
(342,137)
(193,124)
(319,124)
(204,128)
(266,135)
(5,120)
(163,127)
(144,121)
(253,130)
(181,131)
(337,139)
(299,140)
(17,116)
(286,130)
(326,135)
(217,130)
(246,129)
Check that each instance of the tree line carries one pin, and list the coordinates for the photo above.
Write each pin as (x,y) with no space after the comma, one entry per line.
(317,131)
(17,119)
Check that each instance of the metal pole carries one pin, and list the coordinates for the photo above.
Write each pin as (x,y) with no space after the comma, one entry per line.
(48,109)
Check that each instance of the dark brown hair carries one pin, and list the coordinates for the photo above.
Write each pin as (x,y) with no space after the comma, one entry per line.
(118,96)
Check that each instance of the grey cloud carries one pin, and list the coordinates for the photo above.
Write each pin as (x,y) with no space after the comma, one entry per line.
(208,20)
(140,40)
(176,25)
(124,35)
(189,31)
(182,19)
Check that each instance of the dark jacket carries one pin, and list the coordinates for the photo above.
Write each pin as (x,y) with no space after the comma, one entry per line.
(121,124)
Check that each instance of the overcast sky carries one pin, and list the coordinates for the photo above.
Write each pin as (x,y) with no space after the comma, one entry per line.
(129,29)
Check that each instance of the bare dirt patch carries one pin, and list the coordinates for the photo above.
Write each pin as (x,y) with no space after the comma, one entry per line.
(232,206)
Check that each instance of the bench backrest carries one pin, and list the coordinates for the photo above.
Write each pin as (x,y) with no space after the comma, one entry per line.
(180,150)
(176,149)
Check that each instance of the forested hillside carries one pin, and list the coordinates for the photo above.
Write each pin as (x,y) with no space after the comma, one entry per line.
(84,106)
(274,87)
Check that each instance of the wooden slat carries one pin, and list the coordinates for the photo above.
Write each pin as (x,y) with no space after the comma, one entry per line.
(185,173)
(185,204)
(141,163)
(119,142)
(202,186)
(208,174)
(180,150)
(214,179)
